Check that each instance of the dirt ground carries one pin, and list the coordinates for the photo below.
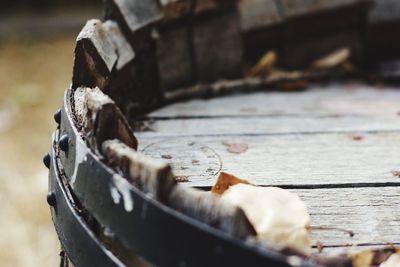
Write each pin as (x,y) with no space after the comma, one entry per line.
(33,77)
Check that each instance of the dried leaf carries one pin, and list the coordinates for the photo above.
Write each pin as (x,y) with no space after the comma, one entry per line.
(396,173)
(393,261)
(320,246)
(264,65)
(224,181)
(277,215)
(236,147)
(332,60)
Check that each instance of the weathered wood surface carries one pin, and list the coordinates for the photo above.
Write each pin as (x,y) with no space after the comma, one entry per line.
(217,47)
(369,212)
(270,125)
(95,56)
(349,99)
(336,147)
(292,159)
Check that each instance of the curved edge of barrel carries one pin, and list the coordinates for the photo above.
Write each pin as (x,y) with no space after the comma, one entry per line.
(76,237)
(149,222)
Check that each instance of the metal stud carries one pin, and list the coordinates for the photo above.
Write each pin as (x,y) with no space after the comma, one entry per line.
(57,116)
(64,143)
(51,199)
(46,160)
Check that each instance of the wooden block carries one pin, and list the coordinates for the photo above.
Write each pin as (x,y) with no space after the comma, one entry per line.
(100,119)
(218,46)
(174,58)
(123,48)
(258,14)
(210,209)
(136,87)
(95,57)
(150,176)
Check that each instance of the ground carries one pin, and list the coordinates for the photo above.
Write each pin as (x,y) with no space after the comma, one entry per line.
(33,76)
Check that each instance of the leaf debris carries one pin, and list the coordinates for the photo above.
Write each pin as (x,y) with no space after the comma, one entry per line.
(236,148)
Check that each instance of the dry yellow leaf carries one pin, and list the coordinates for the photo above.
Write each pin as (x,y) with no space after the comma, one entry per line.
(264,65)
(332,60)
(277,215)
(224,181)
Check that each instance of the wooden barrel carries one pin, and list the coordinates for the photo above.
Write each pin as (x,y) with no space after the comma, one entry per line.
(139,141)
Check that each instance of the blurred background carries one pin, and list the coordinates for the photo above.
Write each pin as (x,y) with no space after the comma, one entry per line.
(37,40)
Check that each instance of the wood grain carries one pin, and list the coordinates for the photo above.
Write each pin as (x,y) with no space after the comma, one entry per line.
(368,212)
(294,159)
(321,100)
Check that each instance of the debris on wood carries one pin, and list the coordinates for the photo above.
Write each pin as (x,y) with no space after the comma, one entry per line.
(357,137)
(332,60)
(393,261)
(320,246)
(396,173)
(293,85)
(224,181)
(264,65)
(182,179)
(385,257)
(236,148)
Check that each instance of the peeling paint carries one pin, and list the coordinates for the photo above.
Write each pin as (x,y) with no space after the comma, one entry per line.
(121,188)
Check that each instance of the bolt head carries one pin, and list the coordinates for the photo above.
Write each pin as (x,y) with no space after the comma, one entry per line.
(46,160)
(64,143)
(51,199)
(57,116)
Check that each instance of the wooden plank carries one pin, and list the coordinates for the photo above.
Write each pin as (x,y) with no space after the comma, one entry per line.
(384,11)
(217,46)
(174,58)
(368,212)
(258,14)
(321,100)
(124,50)
(272,125)
(312,160)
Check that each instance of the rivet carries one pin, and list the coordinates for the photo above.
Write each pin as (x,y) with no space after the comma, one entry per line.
(46,160)
(51,199)
(57,116)
(64,143)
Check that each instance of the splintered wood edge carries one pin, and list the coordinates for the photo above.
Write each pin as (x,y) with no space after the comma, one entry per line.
(99,118)
(123,48)
(95,56)
(156,178)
